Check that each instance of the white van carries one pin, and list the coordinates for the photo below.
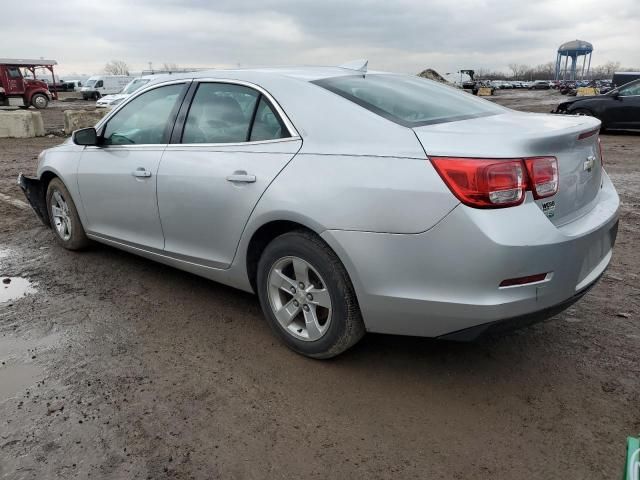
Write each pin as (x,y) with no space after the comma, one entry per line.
(100,85)
(134,85)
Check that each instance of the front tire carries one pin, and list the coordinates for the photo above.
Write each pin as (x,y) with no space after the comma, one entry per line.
(307,296)
(39,101)
(64,218)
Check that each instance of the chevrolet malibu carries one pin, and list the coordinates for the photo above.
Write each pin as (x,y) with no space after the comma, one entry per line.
(348,201)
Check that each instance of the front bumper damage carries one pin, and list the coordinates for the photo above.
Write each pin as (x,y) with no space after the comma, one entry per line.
(32,188)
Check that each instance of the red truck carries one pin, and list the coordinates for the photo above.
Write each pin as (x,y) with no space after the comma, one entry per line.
(17,90)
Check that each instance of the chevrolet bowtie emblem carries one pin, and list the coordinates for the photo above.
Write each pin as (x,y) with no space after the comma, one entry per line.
(589,163)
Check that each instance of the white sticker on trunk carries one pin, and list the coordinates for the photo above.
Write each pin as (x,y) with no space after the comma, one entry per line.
(549,208)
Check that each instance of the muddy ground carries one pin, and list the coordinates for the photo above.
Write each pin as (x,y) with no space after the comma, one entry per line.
(116,367)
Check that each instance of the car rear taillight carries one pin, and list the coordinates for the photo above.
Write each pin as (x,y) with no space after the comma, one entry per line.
(543,176)
(495,182)
(483,183)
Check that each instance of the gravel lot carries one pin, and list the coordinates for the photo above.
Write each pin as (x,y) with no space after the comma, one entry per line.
(116,367)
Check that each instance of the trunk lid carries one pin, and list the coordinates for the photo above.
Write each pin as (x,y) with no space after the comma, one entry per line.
(520,135)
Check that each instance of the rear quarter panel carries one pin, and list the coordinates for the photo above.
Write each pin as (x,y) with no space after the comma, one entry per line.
(364,193)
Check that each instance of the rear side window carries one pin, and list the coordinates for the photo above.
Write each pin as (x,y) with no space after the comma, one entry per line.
(220,113)
(409,101)
(229,113)
(267,124)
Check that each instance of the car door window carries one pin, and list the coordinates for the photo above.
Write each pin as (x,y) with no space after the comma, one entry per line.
(267,125)
(220,113)
(629,90)
(145,119)
(14,73)
(99,84)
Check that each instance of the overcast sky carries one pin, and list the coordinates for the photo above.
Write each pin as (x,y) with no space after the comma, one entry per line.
(403,36)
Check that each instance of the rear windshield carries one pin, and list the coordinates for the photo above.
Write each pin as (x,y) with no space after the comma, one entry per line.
(409,101)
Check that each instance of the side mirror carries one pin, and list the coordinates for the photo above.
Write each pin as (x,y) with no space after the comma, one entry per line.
(615,94)
(85,136)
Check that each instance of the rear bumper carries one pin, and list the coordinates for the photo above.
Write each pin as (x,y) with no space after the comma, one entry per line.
(509,324)
(32,188)
(446,280)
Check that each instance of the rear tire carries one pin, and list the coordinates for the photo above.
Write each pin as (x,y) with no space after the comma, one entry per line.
(39,101)
(64,218)
(319,327)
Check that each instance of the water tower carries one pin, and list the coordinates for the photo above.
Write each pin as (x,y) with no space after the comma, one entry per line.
(573,50)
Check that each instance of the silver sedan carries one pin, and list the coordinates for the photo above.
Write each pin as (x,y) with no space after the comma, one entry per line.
(349,201)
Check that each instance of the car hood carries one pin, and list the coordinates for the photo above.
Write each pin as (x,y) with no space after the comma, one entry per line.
(588,97)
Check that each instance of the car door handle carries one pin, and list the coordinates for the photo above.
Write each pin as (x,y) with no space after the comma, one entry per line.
(241,177)
(141,172)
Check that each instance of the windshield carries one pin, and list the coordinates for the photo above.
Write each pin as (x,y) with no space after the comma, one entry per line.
(91,83)
(409,101)
(134,85)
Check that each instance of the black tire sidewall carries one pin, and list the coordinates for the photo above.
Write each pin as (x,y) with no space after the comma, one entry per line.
(78,238)
(33,101)
(339,287)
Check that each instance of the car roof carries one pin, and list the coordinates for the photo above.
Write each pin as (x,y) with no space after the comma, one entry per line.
(301,73)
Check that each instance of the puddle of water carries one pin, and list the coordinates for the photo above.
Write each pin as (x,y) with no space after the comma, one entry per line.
(12,288)
(16,370)
(14,378)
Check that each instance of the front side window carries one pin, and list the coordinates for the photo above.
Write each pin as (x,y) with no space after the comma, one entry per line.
(14,72)
(99,84)
(409,101)
(145,119)
(632,88)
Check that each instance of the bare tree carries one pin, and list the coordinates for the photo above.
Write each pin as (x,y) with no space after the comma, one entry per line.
(170,67)
(515,69)
(116,67)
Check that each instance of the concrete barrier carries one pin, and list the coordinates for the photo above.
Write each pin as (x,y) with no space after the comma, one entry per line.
(587,91)
(76,119)
(21,124)
(484,92)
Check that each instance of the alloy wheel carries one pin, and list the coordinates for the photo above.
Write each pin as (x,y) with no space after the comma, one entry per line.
(61,215)
(299,298)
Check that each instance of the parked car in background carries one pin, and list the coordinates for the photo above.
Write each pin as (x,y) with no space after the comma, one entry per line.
(127,91)
(540,85)
(100,85)
(311,187)
(618,109)
(60,86)
(621,78)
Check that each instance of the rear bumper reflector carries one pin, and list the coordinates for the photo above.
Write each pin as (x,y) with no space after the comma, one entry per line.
(512,282)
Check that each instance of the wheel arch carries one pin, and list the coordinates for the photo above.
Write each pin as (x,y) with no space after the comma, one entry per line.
(45,179)
(261,237)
